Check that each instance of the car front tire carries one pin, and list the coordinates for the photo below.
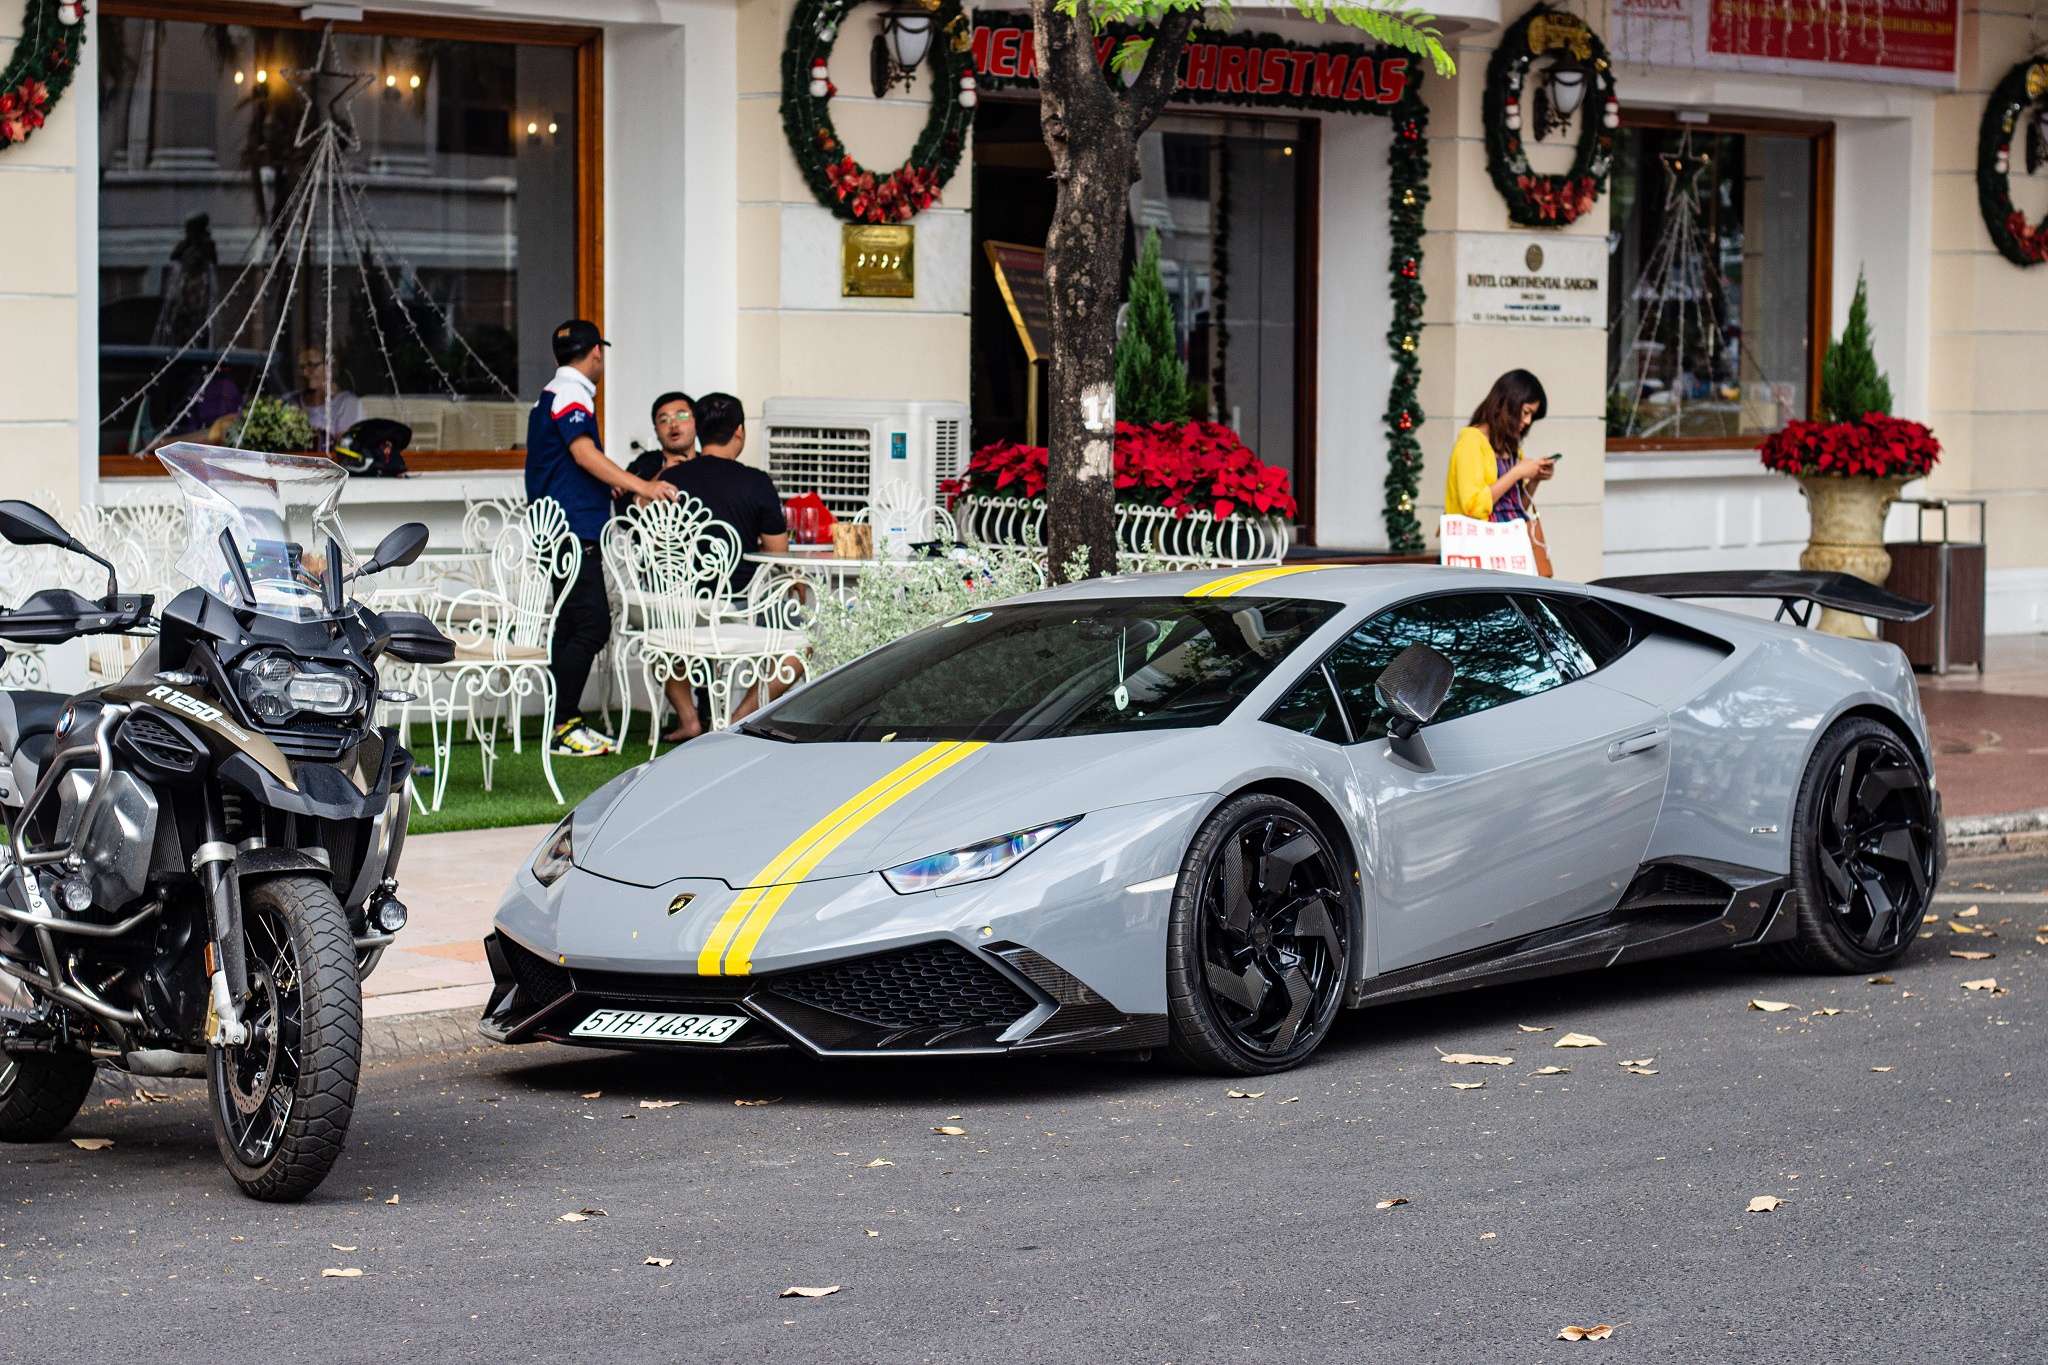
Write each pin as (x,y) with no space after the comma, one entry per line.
(1866,851)
(1258,948)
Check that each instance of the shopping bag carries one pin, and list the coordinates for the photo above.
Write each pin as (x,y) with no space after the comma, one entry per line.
(1468,543)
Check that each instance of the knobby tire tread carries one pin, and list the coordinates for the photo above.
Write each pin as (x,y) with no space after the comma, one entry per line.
(47,1093)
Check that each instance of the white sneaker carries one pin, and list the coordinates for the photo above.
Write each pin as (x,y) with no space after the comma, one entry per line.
(577,740)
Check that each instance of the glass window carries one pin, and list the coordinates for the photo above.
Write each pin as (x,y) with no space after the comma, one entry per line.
(1485,635)
(415,275)
(1040,669)
(1570,652)
(1710,283)
(1604,633)
(1311,709)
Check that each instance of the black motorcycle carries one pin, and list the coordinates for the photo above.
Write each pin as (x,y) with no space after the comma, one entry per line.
(201,859)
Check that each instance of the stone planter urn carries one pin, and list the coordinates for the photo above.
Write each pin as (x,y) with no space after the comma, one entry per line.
(1847,513)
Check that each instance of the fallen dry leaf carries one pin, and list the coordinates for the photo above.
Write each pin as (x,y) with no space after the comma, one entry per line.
(1970,913)
(574,1218)
(659,1104)
(755,1104)
(1881,981)
(1880,1068)
(1769,1006)
(93,1144)
(1640,1071)
(1578,1040)
(871,1232)
(1551,1071)
(346,1273)
(1640,1061)
(1475,1059)
(877,1162)
(1970,957)
(659,1260)
(1989,983)
(1389,1203)
(798,1291)
(1961,928)
(392,1200)
(1763,1203)
(1600,1333)
(593,1213)
(2041,938)
(1488,1236)
(339,1247)
(1829,1009)
(950,1130)
(1535,1028)
(594,1095)
(151,1096)
(1468,1085)
(1244,1094)
(1292,1099)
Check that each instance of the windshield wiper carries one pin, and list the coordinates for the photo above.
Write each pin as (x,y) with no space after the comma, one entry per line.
(767,731)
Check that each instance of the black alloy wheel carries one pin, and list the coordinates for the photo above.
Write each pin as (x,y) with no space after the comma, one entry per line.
(283,1099)
(1259,944)
(1866,851)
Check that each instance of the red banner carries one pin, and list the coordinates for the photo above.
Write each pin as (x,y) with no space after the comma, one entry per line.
(1909,35)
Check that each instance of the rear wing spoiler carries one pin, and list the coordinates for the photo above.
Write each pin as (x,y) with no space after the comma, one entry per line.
(1797,591)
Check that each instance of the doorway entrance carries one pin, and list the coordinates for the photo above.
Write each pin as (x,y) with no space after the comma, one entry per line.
(1233,199)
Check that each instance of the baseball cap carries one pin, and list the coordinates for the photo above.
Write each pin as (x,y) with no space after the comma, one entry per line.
(576,336)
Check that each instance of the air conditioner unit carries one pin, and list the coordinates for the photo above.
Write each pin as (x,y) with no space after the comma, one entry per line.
(843,448)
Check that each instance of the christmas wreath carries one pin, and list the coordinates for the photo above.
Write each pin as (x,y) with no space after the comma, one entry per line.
(44,58)
(2014,113)
(1549,200)
(849,189)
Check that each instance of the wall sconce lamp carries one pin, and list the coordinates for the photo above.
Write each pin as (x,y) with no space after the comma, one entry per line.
(1559,97)
(899,48)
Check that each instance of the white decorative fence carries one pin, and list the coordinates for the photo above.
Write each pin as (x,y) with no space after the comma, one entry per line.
(1197,540)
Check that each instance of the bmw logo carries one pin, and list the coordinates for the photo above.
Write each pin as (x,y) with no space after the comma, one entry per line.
(64,721)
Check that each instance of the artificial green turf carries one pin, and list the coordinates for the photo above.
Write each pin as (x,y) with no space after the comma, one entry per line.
(519,792)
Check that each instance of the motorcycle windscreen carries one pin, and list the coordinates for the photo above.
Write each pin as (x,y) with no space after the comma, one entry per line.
(279,512)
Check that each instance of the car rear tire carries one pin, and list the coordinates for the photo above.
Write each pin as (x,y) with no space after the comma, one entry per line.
(282,1101)
(1258,948)
(40,1093)
(1866,851)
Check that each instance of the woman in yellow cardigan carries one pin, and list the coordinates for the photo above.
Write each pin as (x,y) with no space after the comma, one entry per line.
(1489,480)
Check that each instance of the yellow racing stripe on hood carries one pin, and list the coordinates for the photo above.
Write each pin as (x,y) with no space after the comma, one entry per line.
(729,950)
(1238,582)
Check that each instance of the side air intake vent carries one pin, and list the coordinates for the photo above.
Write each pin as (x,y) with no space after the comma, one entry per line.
(1673,884)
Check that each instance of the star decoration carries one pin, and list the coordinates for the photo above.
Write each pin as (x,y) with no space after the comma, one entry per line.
(328,91)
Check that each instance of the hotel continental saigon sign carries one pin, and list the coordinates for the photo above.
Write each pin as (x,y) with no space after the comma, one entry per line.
(1525,281)
(1231,68)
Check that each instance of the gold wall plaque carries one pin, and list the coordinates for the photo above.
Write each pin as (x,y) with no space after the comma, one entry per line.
(877,261)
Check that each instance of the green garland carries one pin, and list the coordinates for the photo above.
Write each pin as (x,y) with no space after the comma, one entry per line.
(1407,201)
(1548,200)
(52,32)
(840,183)
(2005,113)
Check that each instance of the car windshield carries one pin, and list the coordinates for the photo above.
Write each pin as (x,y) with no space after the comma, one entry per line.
(278,511)
(1034,670)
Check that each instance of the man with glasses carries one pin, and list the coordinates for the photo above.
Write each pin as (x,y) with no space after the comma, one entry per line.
(675,432)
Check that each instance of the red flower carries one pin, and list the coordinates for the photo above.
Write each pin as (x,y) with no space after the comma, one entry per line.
(1875,445)
(2032,244)
(1184,466)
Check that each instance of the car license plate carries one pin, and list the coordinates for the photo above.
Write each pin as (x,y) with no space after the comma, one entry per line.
(663,1028)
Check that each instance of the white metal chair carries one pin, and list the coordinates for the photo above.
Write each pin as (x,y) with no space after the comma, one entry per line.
(658,527)
(502,644)
(903,516)
(697,632)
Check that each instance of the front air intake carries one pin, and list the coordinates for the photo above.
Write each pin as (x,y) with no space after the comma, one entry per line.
(933,985)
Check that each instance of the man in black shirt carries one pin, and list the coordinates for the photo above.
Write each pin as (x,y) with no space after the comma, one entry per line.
(675,434)
(742,497)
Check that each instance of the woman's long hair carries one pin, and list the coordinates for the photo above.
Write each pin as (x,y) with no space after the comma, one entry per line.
(1499,414)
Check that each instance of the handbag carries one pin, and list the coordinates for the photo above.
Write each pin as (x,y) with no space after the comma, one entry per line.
(1537,547)
(1470,543)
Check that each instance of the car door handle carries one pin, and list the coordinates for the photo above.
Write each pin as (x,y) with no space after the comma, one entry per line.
(1636,744)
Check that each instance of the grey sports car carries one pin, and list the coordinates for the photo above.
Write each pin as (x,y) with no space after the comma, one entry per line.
(1203,812)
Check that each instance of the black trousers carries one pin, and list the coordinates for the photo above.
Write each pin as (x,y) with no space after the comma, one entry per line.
(581,629)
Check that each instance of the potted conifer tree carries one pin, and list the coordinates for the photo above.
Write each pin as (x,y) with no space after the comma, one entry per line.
(1852,465)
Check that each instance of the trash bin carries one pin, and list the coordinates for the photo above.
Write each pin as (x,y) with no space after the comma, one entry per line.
(1948,573)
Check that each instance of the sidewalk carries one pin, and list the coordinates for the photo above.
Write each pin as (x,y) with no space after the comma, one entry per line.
(451,884)
(1990,731)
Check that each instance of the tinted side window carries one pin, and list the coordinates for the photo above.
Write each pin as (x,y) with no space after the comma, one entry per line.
(1604,632)
(1569,651)
(1485,635)
(1312,710)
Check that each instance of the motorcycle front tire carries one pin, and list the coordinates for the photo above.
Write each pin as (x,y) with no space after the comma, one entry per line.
(281,1102)
(40,1093)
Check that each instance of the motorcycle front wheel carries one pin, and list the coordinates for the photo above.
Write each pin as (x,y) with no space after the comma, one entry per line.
(282,1101)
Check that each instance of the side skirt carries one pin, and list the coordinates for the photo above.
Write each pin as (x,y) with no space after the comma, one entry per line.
(1672,906)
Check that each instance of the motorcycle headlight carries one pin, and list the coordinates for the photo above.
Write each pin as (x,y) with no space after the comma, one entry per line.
(277,687)
(557,853)
(974,863)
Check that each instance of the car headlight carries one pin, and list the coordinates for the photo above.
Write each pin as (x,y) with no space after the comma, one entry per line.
(276,687)
(557,853)
(974,863)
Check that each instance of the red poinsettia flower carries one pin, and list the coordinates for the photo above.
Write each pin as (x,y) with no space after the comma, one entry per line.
(1875,445)
(1184,466)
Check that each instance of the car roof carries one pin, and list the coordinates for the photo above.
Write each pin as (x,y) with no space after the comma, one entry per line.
(1357,585)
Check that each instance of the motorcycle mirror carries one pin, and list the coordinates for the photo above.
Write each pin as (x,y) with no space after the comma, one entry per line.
(24,523)
(398,549)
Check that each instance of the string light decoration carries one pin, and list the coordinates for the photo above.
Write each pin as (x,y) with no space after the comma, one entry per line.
(1407,201)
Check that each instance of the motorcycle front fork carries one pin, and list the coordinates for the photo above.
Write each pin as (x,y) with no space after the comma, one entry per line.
(227,958)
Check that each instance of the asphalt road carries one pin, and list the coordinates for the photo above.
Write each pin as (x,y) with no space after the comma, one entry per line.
(1111,1211)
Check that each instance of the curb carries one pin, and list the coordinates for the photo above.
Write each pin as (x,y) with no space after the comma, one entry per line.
(2013,832)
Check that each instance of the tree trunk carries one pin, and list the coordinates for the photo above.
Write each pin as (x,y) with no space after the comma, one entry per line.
(1092,126)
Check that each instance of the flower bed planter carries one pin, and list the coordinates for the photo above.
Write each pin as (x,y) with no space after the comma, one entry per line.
(1189,539)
